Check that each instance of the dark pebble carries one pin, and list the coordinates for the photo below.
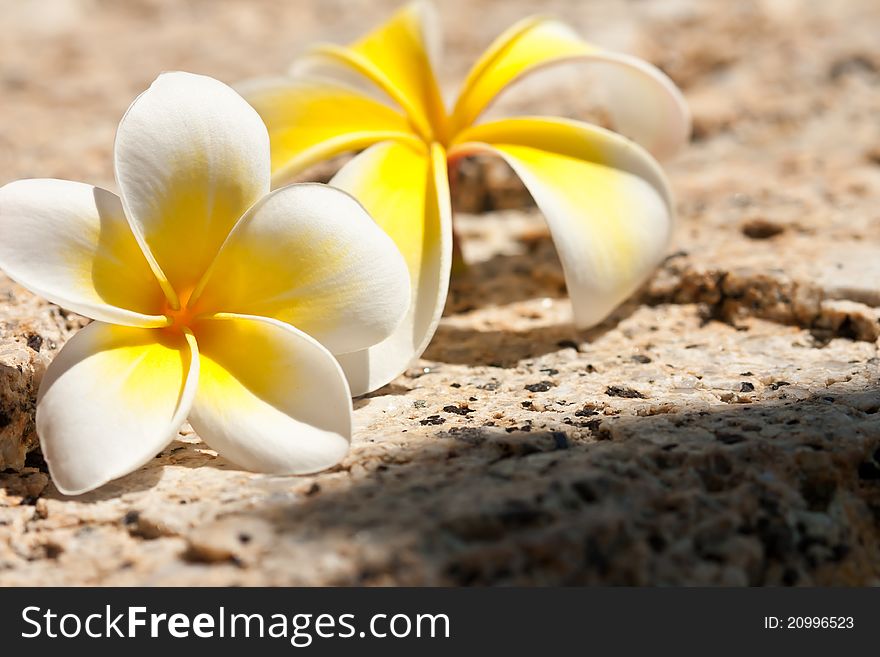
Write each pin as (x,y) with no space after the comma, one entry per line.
(623,391)
(458,410)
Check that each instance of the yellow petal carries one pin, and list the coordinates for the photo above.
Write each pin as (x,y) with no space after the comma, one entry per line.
(70,242)
(605,200)
(395,57)
(111,400)
(191,157)
(270,398)
(644,103)
(406,190)
(311,256)
(310,121)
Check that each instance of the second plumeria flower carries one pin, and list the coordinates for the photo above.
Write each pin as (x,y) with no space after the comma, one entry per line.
(604,197)
(215,300)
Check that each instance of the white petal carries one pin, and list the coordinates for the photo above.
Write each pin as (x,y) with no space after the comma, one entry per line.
(605,200)
(407,193)
(644,104)
(632,85)
(311,256)
(191,157)
(270,398)
(70,243)
(111,400)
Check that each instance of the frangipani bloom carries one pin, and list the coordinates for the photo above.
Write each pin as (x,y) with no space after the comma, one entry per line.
(214,299)
(604,197)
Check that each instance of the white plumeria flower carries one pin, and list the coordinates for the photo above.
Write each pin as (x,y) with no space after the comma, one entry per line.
(215,300)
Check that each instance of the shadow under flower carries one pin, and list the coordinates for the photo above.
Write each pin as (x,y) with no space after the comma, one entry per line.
(505,348)
(507,278)
(183,453)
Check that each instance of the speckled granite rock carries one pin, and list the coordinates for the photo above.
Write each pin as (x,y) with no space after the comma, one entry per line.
(721,428)
(19,378)
(628,457)
(30,331)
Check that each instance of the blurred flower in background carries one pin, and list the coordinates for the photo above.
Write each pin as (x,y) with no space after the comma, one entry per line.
(605,198)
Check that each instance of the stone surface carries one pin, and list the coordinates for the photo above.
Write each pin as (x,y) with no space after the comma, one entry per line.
(722,427)
(30,331)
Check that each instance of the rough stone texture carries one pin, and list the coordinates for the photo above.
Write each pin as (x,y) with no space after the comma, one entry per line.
(30,330)
(721,428)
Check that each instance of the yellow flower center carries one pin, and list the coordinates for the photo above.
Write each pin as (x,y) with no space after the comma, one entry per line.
(182,317)
(440,128)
